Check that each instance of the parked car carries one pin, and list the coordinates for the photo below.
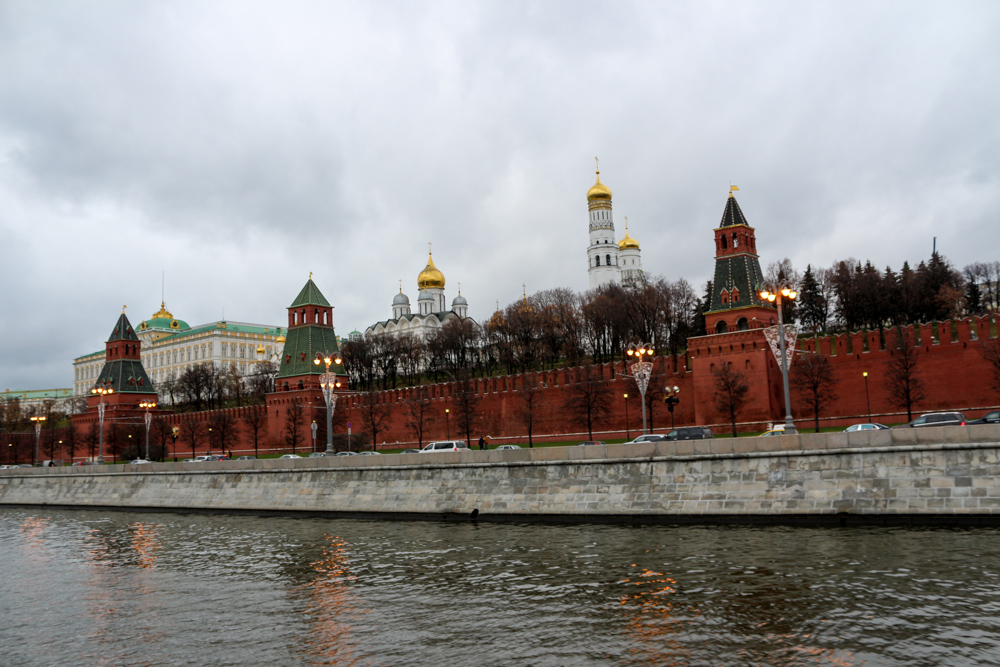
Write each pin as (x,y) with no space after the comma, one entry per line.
(410,451)
(316,455)
(937,419)
(345,453)
(290,456)
(216,457)
(502,447)
(591,442)
(690,433)
(367,453)
(445,446)
(246,458)
(649,437)
(197,459)
(865,427)
(139,461)
(83,463)
(772,432)
(988,418)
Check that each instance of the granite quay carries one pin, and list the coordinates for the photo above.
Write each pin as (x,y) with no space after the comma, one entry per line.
(932,475)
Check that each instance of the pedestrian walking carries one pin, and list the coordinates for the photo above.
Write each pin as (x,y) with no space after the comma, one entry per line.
(482,443)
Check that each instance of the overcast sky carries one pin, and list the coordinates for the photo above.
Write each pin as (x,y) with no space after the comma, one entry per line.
(237,146)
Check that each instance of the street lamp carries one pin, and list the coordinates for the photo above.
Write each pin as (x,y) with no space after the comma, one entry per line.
(447,415)
(628,435)
(102,388)
(38,433)
(328,382)
(641,371)
(147,406)
(868,397)
(775,294)
(671,400)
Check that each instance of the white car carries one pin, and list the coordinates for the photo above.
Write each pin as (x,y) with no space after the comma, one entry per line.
(647,438)
(445,446)
(197,459)
(139,461)
(370,453)
(501,447)
(290,456)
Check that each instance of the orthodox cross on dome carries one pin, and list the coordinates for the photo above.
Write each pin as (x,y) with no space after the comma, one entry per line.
(460,289)
(429,248)
(597,165)
(400,285)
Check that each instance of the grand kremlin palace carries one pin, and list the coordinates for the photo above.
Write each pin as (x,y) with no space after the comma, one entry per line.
(170,345)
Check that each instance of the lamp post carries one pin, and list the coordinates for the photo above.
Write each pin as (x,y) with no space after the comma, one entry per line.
(38,434)
(102,388)
(641,370)
(147,406)
(328,382)
(868,398)
(671,400)
(775,294)
(628,435)
(447,416)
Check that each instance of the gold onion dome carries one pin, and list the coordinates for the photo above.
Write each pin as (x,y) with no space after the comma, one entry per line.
(599,190)
(628,241)
(430,277)
(163,312)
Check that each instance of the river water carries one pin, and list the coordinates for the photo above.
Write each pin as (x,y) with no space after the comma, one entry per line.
(95,588)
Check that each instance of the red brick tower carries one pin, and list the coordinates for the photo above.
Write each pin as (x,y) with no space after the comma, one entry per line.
(736,305)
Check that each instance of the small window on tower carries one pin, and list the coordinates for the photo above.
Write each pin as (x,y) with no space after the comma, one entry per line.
(736,240)
(598,258)
(724,242)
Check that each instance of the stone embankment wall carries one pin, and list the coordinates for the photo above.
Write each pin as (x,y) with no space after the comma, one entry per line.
(947,474)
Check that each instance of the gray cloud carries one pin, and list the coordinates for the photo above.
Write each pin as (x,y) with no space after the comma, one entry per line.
(238,146)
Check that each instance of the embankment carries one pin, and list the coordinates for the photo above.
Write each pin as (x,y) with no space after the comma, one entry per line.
(935,475)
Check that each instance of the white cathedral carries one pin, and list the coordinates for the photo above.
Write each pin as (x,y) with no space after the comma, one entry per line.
(609,262)
(431,313)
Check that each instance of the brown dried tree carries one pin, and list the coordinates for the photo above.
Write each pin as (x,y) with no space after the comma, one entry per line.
(731,392)
(813,379)
(902,383)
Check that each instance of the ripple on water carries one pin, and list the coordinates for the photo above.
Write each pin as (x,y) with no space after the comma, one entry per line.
(90,588)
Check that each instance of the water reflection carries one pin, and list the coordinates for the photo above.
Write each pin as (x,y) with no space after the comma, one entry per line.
(88,588)
(333,612)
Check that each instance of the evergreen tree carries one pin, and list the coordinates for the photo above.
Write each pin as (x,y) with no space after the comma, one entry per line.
(812,303)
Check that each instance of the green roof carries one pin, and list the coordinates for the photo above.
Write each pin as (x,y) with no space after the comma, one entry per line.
(301,346)
(164,323)
(229,326)
(123,330)
(126,376)
(310,296)
(35,394)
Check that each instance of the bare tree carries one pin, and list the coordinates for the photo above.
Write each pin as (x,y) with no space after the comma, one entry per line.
(901,381)
(375,414)
(293,424)
(731,392)
(419,410)
(466,402)
(192,431)
(991,352)
(529,398)
(70,439)
(256,422)
(589,400)
(225,429)
(813,379)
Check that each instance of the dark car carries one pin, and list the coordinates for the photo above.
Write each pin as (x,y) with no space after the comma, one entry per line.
(937,419)
(346,453)
(690,433)
(591,442)
(988,418)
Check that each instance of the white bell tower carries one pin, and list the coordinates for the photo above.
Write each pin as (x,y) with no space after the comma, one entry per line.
(602,253)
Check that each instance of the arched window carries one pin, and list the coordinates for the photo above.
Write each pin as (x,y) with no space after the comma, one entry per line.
(742,324)
(295,317)
(724,242)
(736,240)
(598,258)
(607,258)
(724,296)
(721,327)
(736,295)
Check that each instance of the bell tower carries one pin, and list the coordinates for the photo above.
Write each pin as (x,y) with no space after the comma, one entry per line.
(736,305)
(602,253)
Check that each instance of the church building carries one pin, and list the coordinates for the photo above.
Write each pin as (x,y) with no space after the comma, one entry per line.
(432,313)
(608,261)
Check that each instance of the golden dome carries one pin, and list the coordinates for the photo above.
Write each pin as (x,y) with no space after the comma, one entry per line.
(260,349)
(599,190)
(279,339)
(163,312)
(628,241)
(430,277)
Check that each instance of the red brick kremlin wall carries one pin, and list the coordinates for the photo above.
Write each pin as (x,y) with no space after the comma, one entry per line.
(950,364)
